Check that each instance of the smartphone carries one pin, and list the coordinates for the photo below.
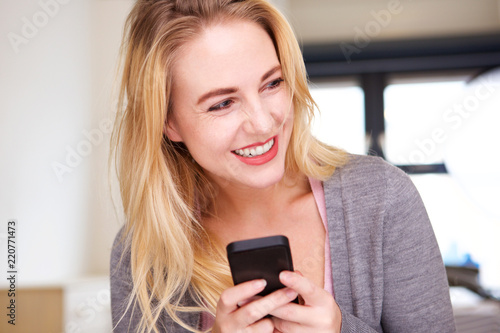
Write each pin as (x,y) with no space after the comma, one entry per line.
(260,258)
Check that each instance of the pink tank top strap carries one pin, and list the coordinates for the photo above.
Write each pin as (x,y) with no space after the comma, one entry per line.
(319,197)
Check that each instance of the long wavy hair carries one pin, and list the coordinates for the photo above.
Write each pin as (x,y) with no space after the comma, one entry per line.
(164,192)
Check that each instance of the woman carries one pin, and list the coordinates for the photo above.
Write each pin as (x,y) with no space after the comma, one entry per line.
(214,146)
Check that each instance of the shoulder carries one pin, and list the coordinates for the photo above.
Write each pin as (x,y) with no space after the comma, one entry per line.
(120,269)
(124,319)
(366,174)
(126,314)
(120,252)
(369,191)
(359,167)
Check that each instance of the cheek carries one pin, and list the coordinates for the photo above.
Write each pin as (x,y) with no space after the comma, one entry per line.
(286,116)
(283,109)
(208,140)
(290,114)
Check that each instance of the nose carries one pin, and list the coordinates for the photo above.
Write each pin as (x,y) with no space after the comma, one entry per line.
(260,118)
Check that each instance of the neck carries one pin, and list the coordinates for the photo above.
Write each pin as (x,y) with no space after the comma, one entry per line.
(239,206)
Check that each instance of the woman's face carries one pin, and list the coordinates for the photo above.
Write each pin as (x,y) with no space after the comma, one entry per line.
(231,107)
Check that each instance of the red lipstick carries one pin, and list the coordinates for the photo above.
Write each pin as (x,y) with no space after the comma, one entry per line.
(260,159)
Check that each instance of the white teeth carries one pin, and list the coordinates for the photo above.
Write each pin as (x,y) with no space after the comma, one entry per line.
(255,151)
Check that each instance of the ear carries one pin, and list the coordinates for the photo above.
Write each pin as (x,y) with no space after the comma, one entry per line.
(170,130)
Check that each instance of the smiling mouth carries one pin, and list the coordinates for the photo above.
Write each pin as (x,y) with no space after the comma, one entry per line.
(255,151)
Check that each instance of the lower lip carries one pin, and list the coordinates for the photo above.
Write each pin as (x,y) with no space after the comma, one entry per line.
(261,159)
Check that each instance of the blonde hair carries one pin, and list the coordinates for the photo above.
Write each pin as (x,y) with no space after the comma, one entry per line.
(163,191)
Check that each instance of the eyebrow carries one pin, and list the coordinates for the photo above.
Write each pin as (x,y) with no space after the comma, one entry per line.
(216,92)
(225,91)
(270,72)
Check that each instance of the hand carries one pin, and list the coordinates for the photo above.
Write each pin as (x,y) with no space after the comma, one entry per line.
(319,313)
(249,317)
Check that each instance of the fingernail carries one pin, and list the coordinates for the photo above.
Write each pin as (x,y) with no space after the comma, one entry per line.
(285,276)
(259,284)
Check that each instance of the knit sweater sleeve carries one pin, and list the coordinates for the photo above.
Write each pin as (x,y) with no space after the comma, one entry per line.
(387,269)
(416,292)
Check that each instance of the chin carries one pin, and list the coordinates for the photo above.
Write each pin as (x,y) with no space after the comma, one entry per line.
(266,181)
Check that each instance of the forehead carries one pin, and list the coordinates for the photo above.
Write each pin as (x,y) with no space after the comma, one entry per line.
(226,54)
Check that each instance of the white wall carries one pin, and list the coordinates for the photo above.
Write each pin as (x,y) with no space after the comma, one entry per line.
(56,69)
(339,20)
(46,102)
(107,19)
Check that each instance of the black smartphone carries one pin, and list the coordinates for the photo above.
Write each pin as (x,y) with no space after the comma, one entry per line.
(260,258)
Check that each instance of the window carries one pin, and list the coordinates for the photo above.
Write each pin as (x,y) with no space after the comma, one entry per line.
(447,120)
(418,119)
(340,119)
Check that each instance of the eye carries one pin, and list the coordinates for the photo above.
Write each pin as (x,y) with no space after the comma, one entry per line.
(221,106)
(275,84)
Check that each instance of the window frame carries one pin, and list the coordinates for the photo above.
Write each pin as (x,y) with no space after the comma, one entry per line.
(373,65)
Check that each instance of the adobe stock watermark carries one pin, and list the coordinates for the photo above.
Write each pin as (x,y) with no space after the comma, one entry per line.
(74,156)
(87,311)
(31,26)
(372,28)
(452,119)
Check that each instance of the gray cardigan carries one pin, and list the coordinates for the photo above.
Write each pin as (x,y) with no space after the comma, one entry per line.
(388,275)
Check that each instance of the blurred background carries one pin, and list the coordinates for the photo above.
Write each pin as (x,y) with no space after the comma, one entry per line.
(413,81)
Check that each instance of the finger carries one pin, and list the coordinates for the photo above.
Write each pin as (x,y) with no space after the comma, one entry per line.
(262,326)
(308,320)
(319,310)
(229,298)
(311,293)
(281,325)
(294,313)
(260,308)
(248,300)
